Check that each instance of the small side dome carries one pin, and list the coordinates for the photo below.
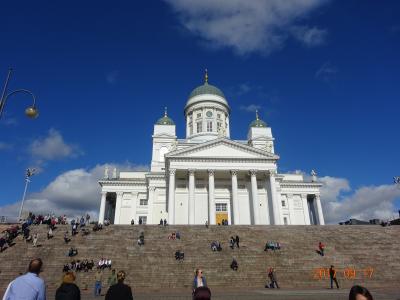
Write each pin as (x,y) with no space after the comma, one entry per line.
(258,122)
(165,120)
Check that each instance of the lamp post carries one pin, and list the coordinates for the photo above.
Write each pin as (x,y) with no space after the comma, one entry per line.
(30,111)
(29,174)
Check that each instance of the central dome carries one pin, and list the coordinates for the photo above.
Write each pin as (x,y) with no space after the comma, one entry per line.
(206,89)
(206,93)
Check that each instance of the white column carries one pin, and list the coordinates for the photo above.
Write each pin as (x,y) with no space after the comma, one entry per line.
(171,197)
(150,200)
(254,196)
(274,199)
(235,200)
(102,207)
(305,209)
(211,199)
(291,209)
(191,215)
(321,220)
(118,205)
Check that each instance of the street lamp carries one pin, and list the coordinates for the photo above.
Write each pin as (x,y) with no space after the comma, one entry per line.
(29,173)
(30,111)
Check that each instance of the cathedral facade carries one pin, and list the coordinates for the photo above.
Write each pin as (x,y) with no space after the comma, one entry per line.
(208,177)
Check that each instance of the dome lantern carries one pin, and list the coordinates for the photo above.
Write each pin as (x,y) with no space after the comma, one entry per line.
(165,120)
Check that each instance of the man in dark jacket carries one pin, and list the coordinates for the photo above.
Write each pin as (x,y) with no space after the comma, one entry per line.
(68,289)
(119,291)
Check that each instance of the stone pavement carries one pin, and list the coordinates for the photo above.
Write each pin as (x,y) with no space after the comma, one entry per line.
(282,294)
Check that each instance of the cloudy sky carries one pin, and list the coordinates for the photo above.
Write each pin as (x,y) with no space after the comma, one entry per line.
(324,75)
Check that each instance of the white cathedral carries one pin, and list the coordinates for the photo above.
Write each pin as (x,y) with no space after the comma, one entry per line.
(208,177)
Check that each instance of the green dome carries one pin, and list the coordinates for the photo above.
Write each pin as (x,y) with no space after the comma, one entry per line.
(258,122)
(165,120)
(206,89)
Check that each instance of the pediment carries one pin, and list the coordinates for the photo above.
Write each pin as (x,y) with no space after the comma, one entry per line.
(222,148)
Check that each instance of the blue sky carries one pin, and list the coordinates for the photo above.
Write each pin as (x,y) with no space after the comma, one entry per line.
(324,74)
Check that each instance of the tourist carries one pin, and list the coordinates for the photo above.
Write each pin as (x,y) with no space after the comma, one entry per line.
(202,293)
(140,221)
(88,219)
(199,280)
(359,293)
(98,277)
(66,239)
(50,233)
(165,222)
(234,265)
(132,222)
(321,248)
(272,278)
(109,263)
(112,279)
(119,291)
(232,242)
(206,224)
(214,246)
(29,286)
(141,239)
(332,275)
(68,290)
(35,239)
(178,235)
(179,255)
(219,248)
(161,222)
(237,241)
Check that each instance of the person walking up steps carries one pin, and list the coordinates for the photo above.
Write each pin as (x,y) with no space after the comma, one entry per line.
(332,275)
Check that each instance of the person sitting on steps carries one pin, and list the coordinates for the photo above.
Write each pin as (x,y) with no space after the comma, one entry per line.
(234,265)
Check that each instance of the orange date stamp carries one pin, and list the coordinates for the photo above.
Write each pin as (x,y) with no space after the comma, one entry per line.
(349,273)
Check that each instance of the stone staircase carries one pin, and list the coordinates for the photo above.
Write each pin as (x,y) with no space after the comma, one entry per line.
(367,255)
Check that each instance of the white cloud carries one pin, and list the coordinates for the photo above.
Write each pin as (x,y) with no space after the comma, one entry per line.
(326,72)
(340,202)
(52,147)
(73,193)
(250,107)
(249,26)
(310,37)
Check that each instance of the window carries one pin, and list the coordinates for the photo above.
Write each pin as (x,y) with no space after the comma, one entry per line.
(190,118)
(285,221)
(143,219)
(199,115)
(283,203)
(219,126)
(219,116)
(143,201)
(199,125)
(209,126)
(221,207)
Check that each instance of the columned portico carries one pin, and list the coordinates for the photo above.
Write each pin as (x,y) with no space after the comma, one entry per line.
(171,197)
(235,201)
(211,198)
(254,196)
(191,203)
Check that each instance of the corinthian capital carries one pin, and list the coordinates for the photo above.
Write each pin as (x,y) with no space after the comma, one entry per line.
(210,172)
(172,171)
(253,172)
